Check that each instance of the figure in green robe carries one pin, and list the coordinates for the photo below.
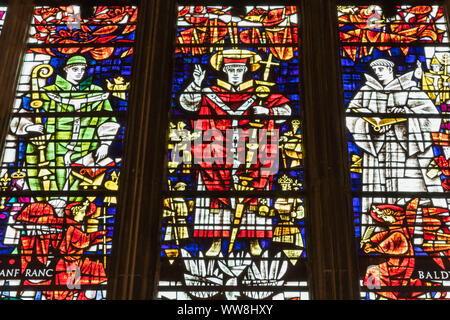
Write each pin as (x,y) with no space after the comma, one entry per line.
(57,144)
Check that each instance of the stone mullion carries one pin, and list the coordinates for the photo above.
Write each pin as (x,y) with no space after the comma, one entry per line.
(136,245)
(331,251)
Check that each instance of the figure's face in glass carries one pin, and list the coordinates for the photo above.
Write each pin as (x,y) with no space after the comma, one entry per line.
(436,68)
(235,73)
(75,73)
(383,73)
(386,217)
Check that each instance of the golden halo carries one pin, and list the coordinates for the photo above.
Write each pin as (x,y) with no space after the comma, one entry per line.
(253,58)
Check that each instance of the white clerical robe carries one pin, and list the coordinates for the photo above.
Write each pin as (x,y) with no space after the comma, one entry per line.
(397,157)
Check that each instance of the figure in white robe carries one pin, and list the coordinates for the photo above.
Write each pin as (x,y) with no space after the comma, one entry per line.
(396,141)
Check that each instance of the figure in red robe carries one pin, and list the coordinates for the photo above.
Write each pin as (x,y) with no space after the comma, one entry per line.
(231,104)
(49,237)
(396,243)
(74,269)
(43,232)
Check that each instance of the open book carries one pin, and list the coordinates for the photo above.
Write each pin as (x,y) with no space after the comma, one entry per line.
(378,123)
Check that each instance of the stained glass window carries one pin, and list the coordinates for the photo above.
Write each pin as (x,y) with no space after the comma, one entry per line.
(396,89)
(2,16)
(60,166)
(233,218)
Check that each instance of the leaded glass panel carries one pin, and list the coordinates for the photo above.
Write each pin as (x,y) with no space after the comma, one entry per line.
(233,219)
(396,91)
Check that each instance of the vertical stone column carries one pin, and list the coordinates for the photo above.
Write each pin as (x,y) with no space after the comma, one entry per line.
(329,230)
(13,41)
(136,245)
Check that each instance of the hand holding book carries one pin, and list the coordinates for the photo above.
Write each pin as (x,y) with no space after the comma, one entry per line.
(381,124)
